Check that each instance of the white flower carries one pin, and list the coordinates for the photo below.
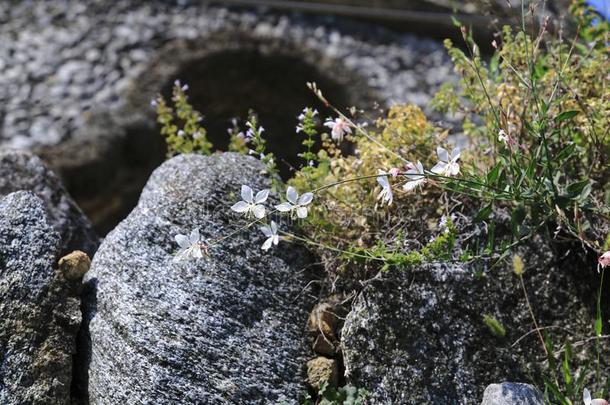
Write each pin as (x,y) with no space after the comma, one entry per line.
(190,246)
(178,84)
(339,127)
(416,177)
(306,110)
(502,137)
(197,135)
(250,203)
(252,130)
(180,132)
(295,203)
(447,165)
(385,195)
(442,224)
(270,232)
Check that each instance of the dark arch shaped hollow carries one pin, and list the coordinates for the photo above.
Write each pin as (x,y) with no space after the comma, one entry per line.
(228,73)
(227,84)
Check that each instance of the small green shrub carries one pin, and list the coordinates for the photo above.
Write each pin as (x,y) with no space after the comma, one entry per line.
(181,124)
(346,395)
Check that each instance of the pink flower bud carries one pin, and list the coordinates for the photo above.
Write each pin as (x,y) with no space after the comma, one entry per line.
(604,260)
(395,171)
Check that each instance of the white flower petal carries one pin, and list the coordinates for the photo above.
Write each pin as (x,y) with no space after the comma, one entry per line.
(284,207)
(261,196)
(179,256)
(267,231)
(247,194)
(586,397)
(276,239)
(274,228)
(182,240)
(196,253)
(383,180)
(194,238)
(292,195)
(305,199)
(453,169)
(302,212)
(442,153)
(267,244)
(258,211)
(411,185)
(455,154)
(240,206)
(439,168)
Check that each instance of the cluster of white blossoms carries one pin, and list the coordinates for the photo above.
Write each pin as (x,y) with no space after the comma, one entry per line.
(252,204)
(301,117)
(416,175)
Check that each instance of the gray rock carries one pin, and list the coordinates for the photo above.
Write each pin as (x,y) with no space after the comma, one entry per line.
(23,171)
(39,315)
(419,336)
(509,393)
(229,328)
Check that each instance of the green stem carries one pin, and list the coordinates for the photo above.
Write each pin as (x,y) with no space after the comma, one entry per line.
(598,329)
(531,311)
(332,248)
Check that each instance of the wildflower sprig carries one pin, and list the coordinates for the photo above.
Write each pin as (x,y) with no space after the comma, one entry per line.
(307,126)
(258,144)
(237,140)
(181,125)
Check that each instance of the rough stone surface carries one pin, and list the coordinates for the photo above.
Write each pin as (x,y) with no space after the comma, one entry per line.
(39,316)
(419,337)
(229,328)
(77,78)
(509,393)
(23,171)
(61,60)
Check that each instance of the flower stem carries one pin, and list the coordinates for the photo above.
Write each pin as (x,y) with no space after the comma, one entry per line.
(531,311)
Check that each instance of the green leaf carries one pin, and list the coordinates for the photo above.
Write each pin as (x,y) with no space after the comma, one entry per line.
(565,366)
(598,326)
(493,174)
(516,219)
(565,153)
(566,115)
(484,213)
(576,189)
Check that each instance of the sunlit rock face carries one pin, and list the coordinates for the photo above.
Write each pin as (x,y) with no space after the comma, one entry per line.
(224,329)
(419,336)
(22,171)
(76,81)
